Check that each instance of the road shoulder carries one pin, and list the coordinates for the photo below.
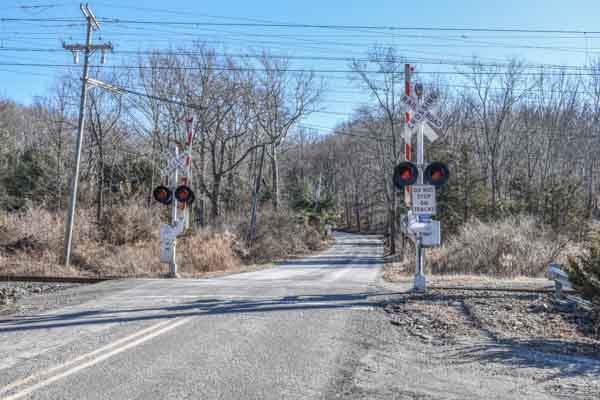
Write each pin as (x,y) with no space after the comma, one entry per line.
(454,346)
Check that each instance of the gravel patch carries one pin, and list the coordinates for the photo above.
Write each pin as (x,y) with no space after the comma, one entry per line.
(470,344)
(11,293)
(529,319)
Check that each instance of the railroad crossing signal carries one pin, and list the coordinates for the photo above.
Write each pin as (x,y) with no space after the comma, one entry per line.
(182,194)
(417,223)
(406,174)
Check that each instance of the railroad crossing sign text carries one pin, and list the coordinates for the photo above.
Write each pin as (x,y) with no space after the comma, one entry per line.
(423,200)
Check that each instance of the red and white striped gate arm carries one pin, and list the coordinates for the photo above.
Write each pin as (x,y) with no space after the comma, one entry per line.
(185,180)
(407,135)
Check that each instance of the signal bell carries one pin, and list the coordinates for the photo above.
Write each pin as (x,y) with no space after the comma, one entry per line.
(405,174)
(436,174)
(163,195)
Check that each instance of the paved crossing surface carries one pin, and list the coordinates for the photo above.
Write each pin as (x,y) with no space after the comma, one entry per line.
(279,333)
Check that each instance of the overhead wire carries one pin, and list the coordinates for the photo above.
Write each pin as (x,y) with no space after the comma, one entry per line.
(411,60)
(297,70)
(126,26)
(114,20)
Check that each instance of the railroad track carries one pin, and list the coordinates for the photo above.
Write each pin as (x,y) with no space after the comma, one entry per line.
(56,279)
(496,289)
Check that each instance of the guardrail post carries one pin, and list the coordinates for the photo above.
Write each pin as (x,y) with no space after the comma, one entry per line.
(558,287)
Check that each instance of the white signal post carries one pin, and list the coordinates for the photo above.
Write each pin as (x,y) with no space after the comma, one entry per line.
(179,224)
(420,280)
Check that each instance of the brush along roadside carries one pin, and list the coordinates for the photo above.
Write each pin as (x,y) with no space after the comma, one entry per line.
(125,244)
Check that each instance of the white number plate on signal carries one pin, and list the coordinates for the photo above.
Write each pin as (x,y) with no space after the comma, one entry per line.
(423,199)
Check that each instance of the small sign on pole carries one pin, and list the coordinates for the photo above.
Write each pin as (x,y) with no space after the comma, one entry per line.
(423,200)
(168,234)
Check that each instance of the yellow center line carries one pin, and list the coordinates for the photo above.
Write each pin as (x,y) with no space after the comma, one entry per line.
(96,356)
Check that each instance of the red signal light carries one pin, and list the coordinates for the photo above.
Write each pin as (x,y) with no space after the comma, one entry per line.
(436,174)
(163,195)
(184,194)
(405,174)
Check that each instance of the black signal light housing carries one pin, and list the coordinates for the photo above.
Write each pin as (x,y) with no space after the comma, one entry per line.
(405,174)
(184,195)
(436,174)
(163,195)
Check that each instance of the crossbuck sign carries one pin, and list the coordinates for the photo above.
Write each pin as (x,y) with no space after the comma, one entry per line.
(174,162)
(423,113)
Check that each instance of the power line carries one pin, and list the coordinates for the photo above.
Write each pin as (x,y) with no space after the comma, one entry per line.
(349,27)
(158,98)
(36,6)
(314,26)
(299,70)
(412,60)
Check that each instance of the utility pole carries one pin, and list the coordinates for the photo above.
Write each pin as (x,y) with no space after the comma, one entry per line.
(88,49)
(252,232)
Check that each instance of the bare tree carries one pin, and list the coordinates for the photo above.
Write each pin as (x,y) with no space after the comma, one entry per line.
(497,90)
(283,99)
(384,89)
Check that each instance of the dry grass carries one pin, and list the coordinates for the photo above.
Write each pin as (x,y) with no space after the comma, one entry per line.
(511,247)
(208,252)
(126,244)
(131,224)
(279,235)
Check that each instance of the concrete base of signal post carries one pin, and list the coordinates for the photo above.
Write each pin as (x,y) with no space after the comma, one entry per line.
(173,264)
(172,271)
(420,283)
(420,279)
(172,275)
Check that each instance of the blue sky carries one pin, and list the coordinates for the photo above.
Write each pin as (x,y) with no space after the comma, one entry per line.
(23,83)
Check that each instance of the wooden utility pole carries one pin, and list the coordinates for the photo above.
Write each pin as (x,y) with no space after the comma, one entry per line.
(87,49)
(252,231)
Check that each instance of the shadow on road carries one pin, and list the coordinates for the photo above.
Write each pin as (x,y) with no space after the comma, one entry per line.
(360,244)
(333,262)
(533,353)
(200,307)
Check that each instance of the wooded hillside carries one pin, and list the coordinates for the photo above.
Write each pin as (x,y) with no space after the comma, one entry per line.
(519,140)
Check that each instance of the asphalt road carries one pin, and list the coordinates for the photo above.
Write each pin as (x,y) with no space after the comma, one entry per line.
(281,333)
